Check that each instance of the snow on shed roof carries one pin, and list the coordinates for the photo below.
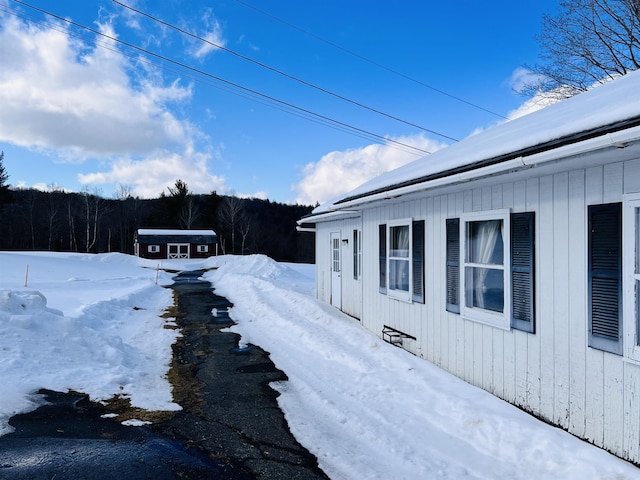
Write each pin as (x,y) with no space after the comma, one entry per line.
(608,104)
(161,231)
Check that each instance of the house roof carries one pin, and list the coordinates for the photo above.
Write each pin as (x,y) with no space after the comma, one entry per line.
(603,110)
(161,231)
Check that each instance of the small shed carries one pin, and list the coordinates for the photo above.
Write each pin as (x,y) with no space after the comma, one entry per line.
(163,243)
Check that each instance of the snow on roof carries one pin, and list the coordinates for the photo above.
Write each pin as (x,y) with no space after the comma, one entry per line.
(161,231)
(607,104)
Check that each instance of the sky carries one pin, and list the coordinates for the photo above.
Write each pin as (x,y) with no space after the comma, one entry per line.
(365,408)
(305,101)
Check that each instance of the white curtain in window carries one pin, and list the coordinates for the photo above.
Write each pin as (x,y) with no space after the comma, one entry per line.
(401,247)
(488,232)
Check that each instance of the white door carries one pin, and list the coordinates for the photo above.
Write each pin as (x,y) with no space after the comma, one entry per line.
(178,250)
(336,282)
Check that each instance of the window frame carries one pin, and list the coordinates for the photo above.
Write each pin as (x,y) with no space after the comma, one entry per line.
(202,248)
(502,319)
(631,276)
(153,249)
(399,294)
(415,260)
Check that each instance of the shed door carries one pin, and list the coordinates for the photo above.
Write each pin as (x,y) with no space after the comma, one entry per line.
(178,250)
(336,282)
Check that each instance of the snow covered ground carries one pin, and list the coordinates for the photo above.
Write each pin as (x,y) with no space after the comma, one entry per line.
(365,408)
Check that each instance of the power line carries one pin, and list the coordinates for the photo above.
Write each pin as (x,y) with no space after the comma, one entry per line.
(302,111)
(368,60)
(280,72)
(225,88)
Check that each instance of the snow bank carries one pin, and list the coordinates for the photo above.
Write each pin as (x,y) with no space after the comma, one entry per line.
(90,323)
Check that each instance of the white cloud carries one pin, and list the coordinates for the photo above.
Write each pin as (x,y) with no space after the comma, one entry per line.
(77,102)
(213,35)
(59,94)
(522,77)
(341,171)
(152,175)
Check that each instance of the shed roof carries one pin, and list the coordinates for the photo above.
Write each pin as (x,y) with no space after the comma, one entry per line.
(163,231)
(605,108)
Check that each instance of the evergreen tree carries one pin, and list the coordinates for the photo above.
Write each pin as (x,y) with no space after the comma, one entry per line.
(4,186)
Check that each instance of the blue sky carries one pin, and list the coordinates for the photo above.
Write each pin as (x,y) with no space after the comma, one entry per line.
(84,112)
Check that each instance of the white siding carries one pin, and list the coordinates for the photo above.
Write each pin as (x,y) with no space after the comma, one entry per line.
(551,373)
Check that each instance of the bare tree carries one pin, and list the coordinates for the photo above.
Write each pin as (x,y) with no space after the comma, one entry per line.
(588,42)
(93,210)
(231,213)
(189,213)
(53,203)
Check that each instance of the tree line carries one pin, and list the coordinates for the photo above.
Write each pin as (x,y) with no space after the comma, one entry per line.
(56,220)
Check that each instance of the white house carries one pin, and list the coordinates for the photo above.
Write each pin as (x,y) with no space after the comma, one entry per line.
(510,259)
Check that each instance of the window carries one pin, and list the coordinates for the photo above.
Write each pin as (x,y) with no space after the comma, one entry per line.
(399,248)
(154,248)
(335,252)
(483,270)
(401,262)
(493,282)
(605,277)
(202,248)
(357,254)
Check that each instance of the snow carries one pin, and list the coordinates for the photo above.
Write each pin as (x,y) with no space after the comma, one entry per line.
(160,231)
(365,408)
(603,105)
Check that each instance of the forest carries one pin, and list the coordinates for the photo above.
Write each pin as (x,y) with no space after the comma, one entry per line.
(57,220)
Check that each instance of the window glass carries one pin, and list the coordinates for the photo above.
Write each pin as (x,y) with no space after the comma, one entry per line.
(336,255)
(399,258)
(484,284)
(485,243)
(399,241)
(485,289)
(399,275)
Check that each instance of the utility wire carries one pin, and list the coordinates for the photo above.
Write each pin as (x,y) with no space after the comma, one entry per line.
(280,72)
(368,60)
(303,111)
(224,88)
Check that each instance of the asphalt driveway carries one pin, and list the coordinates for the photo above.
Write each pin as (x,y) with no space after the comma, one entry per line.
(230,427)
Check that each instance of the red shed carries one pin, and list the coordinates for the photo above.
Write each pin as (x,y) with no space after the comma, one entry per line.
(162,243)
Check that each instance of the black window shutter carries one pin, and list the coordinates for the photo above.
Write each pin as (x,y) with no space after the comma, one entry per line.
(523,271)
(382,242)
(453,265)
(418,261)
(605,277)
